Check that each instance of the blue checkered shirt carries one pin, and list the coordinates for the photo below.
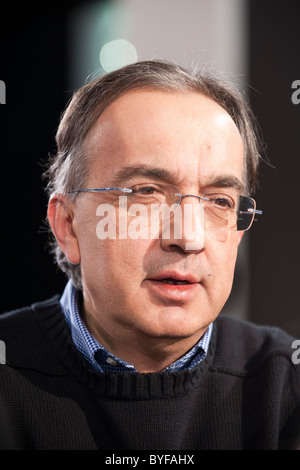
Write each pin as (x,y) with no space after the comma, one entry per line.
(104,361)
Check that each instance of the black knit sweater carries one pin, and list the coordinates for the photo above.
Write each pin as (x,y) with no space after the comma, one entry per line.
(244,395)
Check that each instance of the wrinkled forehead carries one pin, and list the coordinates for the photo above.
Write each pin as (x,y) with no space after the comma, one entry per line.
(185,133)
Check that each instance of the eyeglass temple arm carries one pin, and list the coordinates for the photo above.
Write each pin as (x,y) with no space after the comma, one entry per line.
(125,190)
(252,211)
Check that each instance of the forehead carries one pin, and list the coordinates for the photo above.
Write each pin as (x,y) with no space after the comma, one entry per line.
(188,134)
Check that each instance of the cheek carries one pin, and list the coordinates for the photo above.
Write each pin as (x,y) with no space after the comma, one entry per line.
(221,264)
(102,251)
(113,262)
(222,261)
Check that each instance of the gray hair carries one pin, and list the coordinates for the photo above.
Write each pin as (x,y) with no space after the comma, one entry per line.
(68,169)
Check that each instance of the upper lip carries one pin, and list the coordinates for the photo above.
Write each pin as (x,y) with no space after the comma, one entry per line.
(174,275)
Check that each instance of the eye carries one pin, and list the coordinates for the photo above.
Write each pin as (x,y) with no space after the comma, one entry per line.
(221,200)
(145,190)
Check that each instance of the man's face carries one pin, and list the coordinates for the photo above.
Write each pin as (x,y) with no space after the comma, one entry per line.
(195,142)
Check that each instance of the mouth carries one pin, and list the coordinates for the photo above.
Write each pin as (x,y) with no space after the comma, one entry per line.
(173,286)
(173,282)
(175,278)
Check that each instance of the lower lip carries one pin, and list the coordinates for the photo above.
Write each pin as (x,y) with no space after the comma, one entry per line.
(175,292)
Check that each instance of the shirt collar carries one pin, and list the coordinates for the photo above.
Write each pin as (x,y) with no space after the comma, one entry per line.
(100,358)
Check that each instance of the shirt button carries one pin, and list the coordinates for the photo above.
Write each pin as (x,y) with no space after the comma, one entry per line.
(111,361)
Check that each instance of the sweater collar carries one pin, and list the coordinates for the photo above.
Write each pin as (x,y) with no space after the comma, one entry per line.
(128,386)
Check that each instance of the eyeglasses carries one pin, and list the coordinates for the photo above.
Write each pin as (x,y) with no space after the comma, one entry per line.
(223,210)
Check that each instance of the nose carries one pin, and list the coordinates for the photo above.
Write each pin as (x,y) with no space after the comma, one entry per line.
(185,229)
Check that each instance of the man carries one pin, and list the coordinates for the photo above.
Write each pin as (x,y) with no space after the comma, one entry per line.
(149,200)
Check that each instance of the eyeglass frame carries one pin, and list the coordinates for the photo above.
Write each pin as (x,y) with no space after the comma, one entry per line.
(252,212)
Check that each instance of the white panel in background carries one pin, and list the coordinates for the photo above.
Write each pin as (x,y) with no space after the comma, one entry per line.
(190,32)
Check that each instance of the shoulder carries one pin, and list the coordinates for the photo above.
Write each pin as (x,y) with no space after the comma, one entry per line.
(244,347)
(24,317)
(256,364)
(22,331)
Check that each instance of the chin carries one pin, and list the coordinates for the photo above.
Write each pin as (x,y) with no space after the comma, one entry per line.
(174,323)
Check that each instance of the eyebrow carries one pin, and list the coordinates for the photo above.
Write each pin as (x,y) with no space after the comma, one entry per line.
(128,172)
(226,181)
(157,173)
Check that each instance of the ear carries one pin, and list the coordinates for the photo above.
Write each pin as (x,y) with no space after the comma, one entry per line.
(60,215)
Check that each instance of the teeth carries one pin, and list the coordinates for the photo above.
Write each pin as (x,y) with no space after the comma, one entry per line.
(174,282)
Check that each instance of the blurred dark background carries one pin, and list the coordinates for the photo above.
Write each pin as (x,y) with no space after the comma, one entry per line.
(274,64)
(35,66)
